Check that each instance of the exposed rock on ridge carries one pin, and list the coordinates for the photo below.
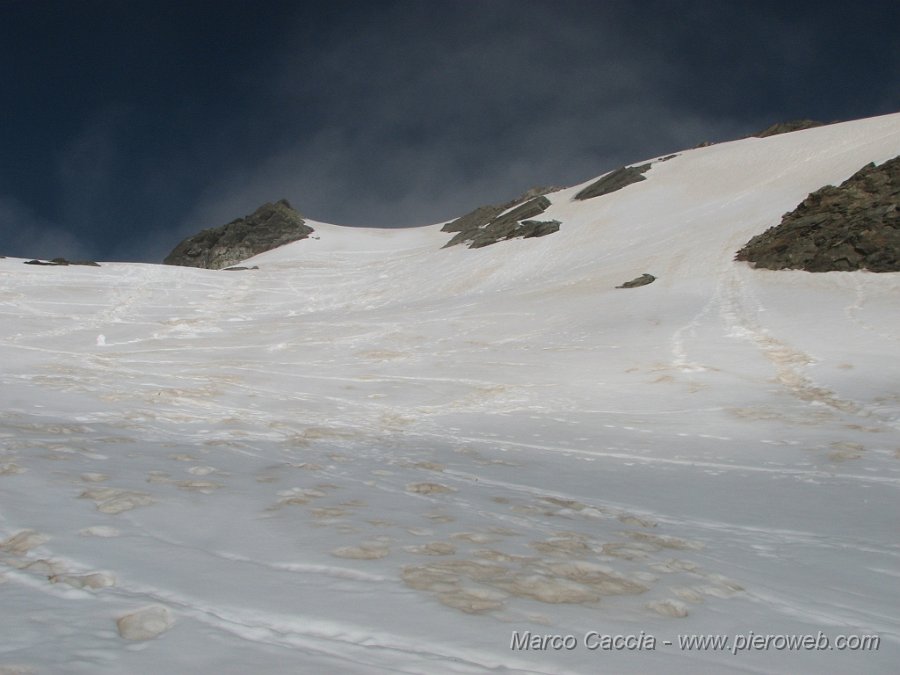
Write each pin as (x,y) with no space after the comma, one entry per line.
(787,127)
(62,262)
(489,224)
(851,227)
(270,226)
(614,180)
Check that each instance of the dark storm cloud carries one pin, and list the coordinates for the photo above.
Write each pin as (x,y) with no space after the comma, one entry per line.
(25,234)
(402,113)
(427,110)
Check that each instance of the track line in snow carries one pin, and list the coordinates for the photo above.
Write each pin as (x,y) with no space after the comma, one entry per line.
(811,473)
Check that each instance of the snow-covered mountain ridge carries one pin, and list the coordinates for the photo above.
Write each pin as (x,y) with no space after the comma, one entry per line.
(374,454)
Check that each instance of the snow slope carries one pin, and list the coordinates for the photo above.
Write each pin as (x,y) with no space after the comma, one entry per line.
(374,455)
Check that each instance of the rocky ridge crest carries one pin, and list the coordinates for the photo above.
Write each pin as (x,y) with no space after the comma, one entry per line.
(487,225)
(270,226)
(850,227)
(787,127)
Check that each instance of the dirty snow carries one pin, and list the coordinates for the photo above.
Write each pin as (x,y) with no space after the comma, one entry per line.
(373,455)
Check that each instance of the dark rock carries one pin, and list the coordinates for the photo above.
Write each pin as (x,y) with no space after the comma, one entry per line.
(484,214)
(270,226)
(477,218)
(787,127)
(642,280)
(850,227)
(614,180)
(506,226)
(487,225)
(537,228)
(63,262)
(239,268)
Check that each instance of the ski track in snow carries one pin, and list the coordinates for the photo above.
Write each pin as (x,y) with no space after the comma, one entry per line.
(366,460)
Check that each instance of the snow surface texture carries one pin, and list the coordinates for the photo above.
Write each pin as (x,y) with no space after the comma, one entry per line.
(373,455)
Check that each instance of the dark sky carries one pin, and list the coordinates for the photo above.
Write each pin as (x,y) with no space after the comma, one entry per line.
(126,125)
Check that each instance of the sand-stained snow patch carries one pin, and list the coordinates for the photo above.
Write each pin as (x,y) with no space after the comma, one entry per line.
(432,548)
(430,578)
(380,522)
(601,578)
(722,587)
(474,537)
(353,503)
(163,477)
(569,545)
(473,600)
(145,624)
(365,551)
(43,567)
(629,550)
(629,519)
(103,531)
(674,565)
(22,542)
(203,486)
(671,608)
(11,469)
(429,488)
(92,477)
(295,496)
(565,574)
(17,670)
(445,575)
(201,470)
(420,531)
(553,590)
(428,466)
(843,451)
(501,556)
(327,512)
(689,594)
(93,581)
(566,504)
(115,500)
(664,542)
(476,570)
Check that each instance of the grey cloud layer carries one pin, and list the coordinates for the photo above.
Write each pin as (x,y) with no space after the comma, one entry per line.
(403,112)
(416,126)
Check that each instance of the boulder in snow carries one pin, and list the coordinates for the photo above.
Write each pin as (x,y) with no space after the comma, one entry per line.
(270,226)
(850,227)
(642,280)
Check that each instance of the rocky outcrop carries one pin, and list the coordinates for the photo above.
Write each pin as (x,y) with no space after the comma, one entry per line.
(642,280)
(787,127)
(614,180)
(62,262)
(537,228)
(270,226)
(487,225)
(850,227)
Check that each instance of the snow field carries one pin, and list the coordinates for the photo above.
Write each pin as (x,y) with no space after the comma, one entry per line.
(374,455)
